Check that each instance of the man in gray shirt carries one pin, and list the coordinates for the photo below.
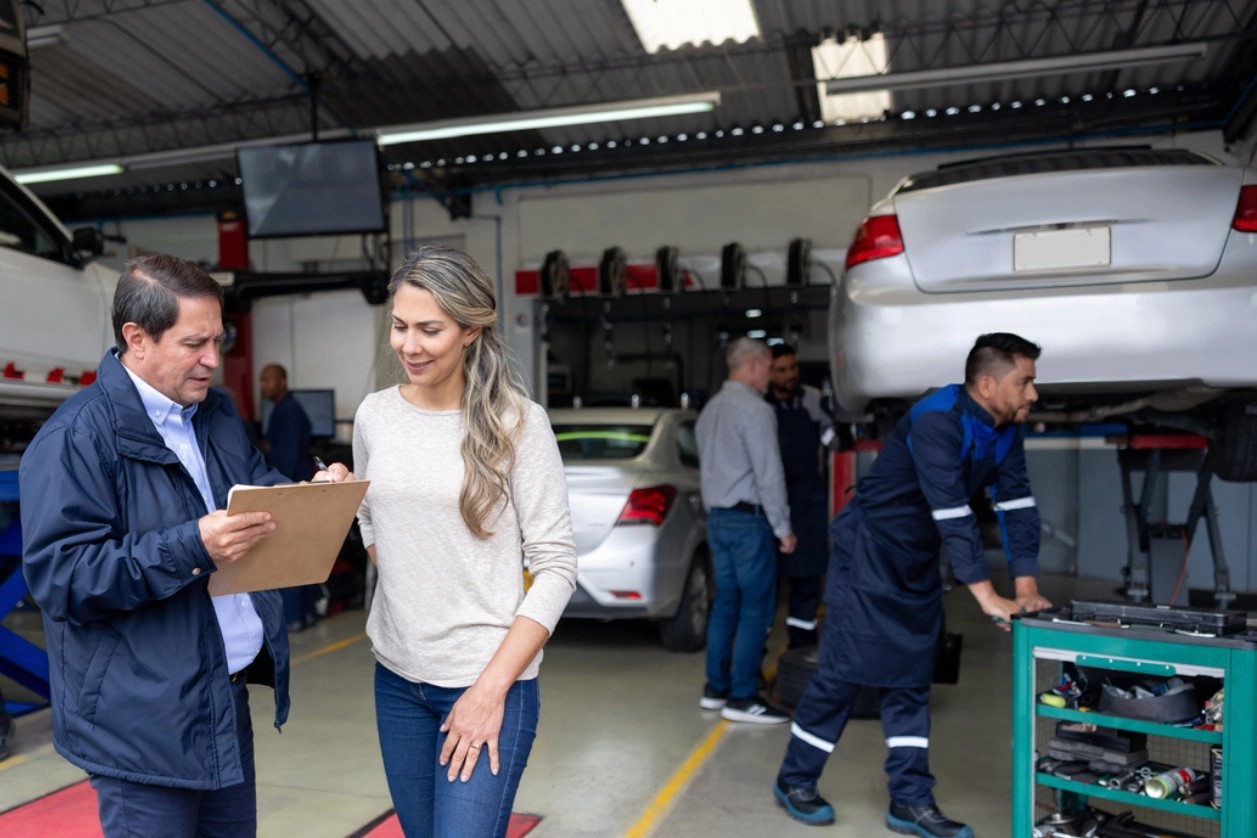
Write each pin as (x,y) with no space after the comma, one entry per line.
(744,490)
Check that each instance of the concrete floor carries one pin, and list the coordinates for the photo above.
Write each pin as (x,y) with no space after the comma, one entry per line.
(622,750)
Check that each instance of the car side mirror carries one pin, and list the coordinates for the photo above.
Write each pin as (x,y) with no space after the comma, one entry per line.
(87,243)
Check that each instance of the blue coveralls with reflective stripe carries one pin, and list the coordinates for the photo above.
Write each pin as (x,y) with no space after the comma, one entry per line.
(884,588)
(799,435)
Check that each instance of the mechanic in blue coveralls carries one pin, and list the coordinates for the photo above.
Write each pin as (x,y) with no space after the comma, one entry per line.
(884,587)
(804,430)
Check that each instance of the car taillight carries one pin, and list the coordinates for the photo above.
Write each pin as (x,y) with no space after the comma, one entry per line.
(648,506)
(1246,212)
(877,238)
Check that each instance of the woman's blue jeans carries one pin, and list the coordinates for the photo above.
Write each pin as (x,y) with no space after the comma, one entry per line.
(408,716)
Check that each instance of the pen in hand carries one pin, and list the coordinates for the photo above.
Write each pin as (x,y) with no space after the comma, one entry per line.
(319,464)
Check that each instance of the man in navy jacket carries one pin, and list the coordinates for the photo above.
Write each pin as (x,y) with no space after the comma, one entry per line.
(884,587)
(123,491)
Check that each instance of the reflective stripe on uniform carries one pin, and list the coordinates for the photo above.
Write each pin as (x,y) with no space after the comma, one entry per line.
(800,623)
(953,512)
(908,742)
(1015,503)
(814,741)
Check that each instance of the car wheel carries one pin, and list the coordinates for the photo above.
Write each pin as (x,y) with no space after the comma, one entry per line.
(1233,454)
(686,631)
(794,671)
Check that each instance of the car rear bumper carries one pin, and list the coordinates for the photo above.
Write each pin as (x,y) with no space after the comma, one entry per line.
(636,571)
(890,340)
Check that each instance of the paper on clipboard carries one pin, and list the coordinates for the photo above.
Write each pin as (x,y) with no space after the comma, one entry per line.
(311,522)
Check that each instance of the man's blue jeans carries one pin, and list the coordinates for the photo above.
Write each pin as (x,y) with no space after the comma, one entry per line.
(744,558)
(408,716)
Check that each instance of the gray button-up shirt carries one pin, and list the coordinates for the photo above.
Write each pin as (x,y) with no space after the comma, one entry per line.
(741,461)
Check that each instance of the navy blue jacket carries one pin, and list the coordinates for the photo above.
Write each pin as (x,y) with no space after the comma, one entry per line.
(885,584)
(113,555)
(288,434)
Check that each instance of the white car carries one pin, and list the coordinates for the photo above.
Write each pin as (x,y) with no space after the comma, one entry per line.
(637,517)
(54,324)
(1134,268)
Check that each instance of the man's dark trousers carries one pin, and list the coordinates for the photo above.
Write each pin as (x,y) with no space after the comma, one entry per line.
(139,810)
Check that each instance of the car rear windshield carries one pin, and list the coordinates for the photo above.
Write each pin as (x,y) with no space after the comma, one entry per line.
(586,443)
(1064,161)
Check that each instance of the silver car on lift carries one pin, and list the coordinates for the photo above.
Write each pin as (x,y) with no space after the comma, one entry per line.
(1134,268)
(637,517)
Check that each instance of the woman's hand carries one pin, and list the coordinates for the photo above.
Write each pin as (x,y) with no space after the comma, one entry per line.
(471,728)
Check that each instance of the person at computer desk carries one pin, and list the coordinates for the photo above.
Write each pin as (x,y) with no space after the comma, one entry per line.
(287,448)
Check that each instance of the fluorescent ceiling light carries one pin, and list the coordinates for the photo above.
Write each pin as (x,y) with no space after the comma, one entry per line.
(853,58)
(671,23)
(552,118)
(43,36)
(45,175)
(1080,62)
(393,134)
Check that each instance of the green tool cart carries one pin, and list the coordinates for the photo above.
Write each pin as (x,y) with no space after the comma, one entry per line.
(1042,645)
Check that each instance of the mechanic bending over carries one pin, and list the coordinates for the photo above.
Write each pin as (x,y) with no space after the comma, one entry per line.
(884,588)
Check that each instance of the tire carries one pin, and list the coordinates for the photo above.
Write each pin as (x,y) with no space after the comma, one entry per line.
(686,631)
(794,671)
(1233,453)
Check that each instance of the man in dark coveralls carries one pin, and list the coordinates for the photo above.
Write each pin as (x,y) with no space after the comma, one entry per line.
(884,587)
(804,429)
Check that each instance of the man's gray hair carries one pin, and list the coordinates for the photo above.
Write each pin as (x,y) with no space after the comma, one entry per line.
(743,350)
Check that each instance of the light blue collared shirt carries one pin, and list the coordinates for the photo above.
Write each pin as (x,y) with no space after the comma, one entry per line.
(237,620)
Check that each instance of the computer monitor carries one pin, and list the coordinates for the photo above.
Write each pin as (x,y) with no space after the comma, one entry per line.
(320,406)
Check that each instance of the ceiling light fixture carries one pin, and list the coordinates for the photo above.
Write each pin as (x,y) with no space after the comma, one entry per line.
(551,118)
(45,175)
(1080,62)
(44,36)
(673,23)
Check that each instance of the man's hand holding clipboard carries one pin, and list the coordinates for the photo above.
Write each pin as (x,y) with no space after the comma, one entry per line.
(307,525)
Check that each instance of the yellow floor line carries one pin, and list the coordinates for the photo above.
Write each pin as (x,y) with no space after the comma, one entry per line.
(676,782)
(335,647)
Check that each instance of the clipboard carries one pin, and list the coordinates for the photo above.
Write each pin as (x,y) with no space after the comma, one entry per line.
(312,520)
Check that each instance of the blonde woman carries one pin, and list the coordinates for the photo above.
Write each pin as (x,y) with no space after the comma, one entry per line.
(465,480)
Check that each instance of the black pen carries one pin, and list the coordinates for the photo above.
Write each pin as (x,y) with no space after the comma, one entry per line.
(319,464)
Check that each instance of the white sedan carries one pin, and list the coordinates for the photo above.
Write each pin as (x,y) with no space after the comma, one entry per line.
(638,520)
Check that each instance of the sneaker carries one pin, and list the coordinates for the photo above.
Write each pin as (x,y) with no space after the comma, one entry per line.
(754,710)
(925,821)
(713,699)
(804,804)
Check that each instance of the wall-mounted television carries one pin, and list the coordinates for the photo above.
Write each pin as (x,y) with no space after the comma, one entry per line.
(312,189)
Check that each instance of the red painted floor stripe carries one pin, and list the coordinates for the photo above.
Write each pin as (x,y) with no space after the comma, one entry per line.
(67,813)
(71,813)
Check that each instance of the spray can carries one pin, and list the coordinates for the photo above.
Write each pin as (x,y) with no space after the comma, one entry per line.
(1164,785)
(1215,776)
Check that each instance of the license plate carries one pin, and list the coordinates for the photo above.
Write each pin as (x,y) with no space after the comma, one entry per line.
(1049,250)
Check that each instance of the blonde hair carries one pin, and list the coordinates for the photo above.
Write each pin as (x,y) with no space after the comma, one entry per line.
(494,401)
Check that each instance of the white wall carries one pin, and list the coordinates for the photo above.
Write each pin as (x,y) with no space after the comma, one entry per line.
(323,340)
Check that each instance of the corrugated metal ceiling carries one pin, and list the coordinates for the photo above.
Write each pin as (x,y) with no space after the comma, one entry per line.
(137,77)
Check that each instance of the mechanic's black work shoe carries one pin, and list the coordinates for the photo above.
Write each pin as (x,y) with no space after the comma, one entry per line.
(713,699)
(804,804)
(926,821)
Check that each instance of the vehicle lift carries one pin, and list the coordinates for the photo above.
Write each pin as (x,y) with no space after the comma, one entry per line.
(1156,566)
(20,659)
